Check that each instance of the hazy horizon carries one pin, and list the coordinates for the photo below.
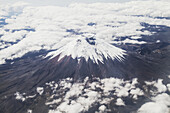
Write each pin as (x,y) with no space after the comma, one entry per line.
(60,2)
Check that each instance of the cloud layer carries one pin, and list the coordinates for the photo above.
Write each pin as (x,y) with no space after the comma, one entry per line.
(98,25)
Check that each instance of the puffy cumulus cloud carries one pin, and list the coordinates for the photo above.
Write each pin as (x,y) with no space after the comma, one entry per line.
(160,100)
(102,95)
(88,26)
(159,105)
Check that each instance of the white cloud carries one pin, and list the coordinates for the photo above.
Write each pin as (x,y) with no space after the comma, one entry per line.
(81,96)
(120,102)
(15,8)
(60,28)
(58,2)
(160,105)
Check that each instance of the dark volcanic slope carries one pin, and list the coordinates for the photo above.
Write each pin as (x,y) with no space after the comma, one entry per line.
(149,62)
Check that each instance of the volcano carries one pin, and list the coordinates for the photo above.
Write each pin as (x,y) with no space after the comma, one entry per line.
(111,60)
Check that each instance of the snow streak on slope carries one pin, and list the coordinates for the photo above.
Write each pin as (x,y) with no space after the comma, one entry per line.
(91,29)
(78,48)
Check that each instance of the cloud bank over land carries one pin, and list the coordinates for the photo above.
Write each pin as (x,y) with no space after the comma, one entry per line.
(30,28)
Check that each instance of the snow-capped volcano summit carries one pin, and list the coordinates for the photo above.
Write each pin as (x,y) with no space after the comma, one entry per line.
(97,25)
(89,48)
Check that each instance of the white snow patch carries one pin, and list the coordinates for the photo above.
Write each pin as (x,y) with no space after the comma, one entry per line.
(56,101)
(31,96)
(149,82)
(29,111)
(168,76)
(19,96)
(40,90)
(157,41)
